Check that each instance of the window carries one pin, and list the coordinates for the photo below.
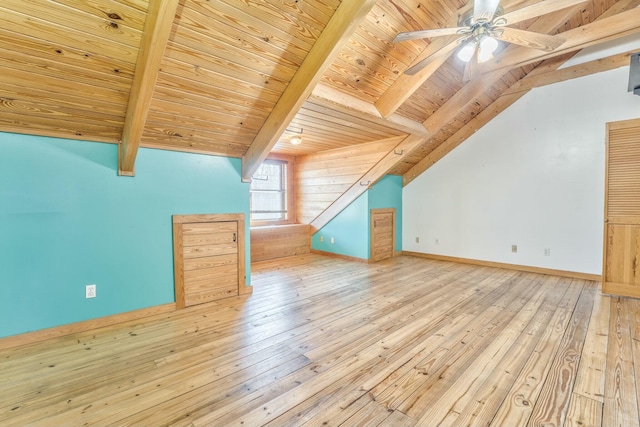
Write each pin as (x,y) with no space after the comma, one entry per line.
(270,193)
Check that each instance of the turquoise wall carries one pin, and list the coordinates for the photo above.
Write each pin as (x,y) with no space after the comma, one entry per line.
(350,228)
(387,193)
(67,220)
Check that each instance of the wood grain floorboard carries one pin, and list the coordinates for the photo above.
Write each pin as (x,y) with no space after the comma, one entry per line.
(329,342)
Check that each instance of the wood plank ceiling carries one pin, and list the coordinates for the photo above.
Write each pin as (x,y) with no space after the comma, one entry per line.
(239,77)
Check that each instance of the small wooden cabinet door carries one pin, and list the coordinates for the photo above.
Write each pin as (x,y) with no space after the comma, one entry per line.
(382,234)
(207,259)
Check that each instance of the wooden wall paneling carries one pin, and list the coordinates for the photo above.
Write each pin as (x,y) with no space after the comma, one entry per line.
(163,141)
(383,233)
(322,178)
(45,126)
(387,163)
(209,261)
(621,251)
(279,241)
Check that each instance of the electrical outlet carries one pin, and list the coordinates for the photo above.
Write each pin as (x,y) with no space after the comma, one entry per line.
(437,241)
(417,240)
(547,251)
(90,291)
(514,248)
(322,238)
(332,241)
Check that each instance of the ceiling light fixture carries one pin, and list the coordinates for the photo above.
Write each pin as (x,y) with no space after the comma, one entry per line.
(296,139)
(486,48)
(488,45)
(466,52)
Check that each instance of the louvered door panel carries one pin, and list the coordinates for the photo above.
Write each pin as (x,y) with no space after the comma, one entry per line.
(621,264)
(623,173)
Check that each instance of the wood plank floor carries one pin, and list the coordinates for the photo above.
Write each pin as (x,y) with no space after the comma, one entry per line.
(329,342)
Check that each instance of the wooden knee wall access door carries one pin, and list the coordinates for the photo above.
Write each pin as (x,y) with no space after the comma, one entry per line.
(209,257)
(383,233)
(621,264)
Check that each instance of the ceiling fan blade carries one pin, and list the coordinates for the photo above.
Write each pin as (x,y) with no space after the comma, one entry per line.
(537,9)
(471,69)
(423,34)
(483,10)
(540,41)
(433,61)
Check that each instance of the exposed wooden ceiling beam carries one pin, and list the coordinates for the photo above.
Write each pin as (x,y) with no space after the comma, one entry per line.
(337,32)
(580,70)
(599,31)
(405,85)
(157,28)
(461,135)
(348,104)
(484,117)
(406,144)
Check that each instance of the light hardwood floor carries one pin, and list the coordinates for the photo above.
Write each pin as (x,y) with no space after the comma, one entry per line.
(327,342)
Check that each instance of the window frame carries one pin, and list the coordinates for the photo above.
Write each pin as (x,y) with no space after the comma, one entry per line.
(289,191)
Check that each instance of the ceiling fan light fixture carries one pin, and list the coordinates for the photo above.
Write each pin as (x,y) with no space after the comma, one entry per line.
(488,45)
(295,140)
(466,52)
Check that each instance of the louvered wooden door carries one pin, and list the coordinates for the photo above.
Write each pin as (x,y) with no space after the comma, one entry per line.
(207,258)
(621,264)
(382,234)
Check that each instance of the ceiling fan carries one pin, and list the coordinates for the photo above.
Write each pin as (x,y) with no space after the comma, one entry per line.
(481,28)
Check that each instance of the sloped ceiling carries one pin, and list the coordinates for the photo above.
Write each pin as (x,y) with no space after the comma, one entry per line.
(239,77)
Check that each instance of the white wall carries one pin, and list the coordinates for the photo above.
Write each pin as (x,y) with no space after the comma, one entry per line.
(533,176)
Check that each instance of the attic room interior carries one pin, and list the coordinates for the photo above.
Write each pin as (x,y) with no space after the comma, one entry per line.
(320,212)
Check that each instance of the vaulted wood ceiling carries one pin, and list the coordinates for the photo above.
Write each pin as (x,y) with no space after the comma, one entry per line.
(239,77)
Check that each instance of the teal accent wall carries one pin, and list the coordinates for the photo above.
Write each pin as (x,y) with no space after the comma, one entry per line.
(67,220)
(387,193)
(350,228)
